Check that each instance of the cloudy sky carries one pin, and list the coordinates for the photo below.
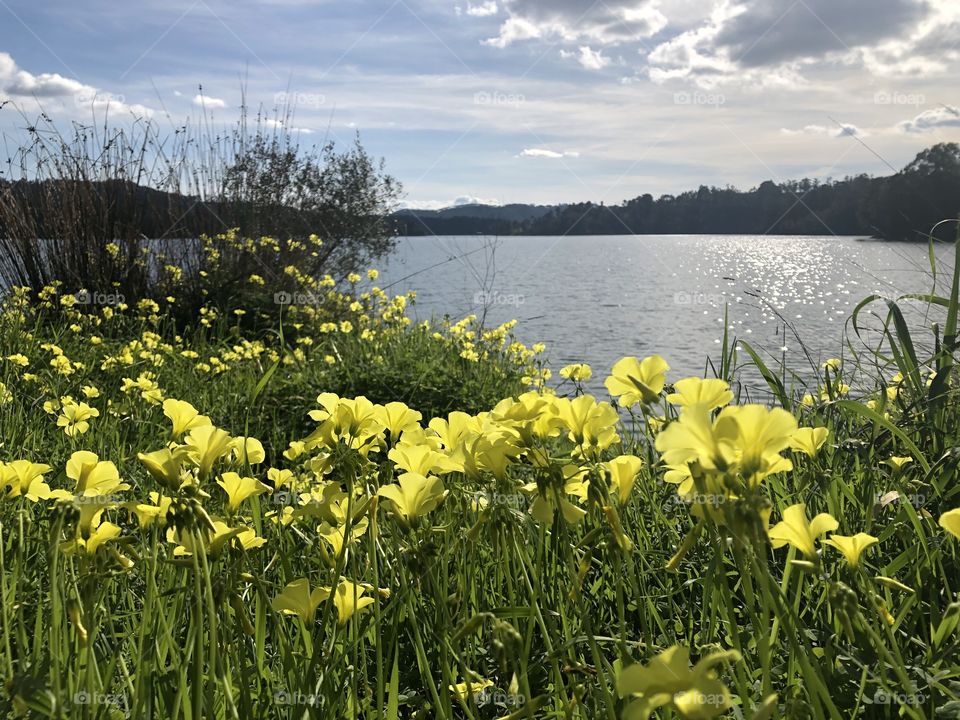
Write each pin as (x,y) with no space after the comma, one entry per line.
(517,100)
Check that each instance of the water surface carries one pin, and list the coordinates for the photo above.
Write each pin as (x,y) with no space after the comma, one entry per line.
(597,298)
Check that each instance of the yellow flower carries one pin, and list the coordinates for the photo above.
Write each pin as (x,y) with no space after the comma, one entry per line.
(669,681)
(239,489)
(25,478)
(415,495)
(809,440)
(544,507)
(578,372)
(396,417)
(633,380)
(93,537)
(92,476)
(950,521)
(165,465)
(711,393)
(184,416)
(420,459)
(61,363)
(298,599)
(851,546)
(74,418)
(349,600)
(334,534)
(279,477)
(248,450)
(899,463)
(216,542)
(353,422)
(149,515)
(465,690)
(623,472)
(592,425)
(796,530)
(490,452)
(759,436)
(205,446)
(90,392)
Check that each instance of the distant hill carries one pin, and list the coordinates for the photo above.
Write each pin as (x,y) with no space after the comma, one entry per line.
(904,206)
(468,219)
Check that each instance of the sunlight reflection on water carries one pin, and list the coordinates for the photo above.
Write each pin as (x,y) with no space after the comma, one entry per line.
(597,298)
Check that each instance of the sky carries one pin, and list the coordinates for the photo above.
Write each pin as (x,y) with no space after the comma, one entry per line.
(499,101)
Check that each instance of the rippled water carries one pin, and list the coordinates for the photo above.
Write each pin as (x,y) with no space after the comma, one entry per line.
(595,299)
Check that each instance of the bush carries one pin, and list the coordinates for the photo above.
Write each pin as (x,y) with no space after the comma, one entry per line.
(111,210)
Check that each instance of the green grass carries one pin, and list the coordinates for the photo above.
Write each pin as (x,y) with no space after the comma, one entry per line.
(549,612)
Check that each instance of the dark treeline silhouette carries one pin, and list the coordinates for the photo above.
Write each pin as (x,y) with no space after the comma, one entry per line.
(907,205)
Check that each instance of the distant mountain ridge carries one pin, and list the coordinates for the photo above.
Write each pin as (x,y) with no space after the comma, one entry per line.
(468,219)
(907,205)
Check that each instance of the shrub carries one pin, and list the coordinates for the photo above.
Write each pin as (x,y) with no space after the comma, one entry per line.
(109,209)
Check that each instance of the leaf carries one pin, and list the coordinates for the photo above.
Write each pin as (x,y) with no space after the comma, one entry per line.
(772,380)
(393,691)
(863,410)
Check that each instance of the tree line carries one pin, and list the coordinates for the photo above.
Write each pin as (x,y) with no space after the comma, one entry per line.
(908,205)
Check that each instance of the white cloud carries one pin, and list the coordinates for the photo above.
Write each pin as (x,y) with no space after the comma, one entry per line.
(843,130)
(592,59)
(473,200)
(209,102)
(542,153)
(928,120)
(16,83)
(458,201)
(609,22)
(280,124)
(484,9)
(513,30)
(754,42)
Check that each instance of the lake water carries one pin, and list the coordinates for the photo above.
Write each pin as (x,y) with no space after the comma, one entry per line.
(595,299)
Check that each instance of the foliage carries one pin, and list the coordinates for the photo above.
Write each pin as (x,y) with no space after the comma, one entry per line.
(196,526)
(107,208)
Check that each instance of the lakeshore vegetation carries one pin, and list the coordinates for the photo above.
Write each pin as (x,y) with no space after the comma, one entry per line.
(308,505)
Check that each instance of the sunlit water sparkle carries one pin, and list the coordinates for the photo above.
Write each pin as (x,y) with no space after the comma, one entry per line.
(597,298)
